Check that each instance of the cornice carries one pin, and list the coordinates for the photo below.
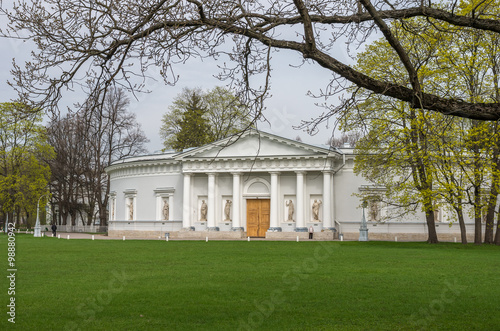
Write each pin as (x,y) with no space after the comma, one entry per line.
(144,168)
(219,145)
(134,163)
(266,164)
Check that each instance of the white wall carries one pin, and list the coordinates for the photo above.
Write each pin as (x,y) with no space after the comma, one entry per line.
(146,197)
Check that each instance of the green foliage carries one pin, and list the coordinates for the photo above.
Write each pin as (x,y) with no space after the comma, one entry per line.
(196,118)
(194,130)
(24,152)
(394,153)
(421,157)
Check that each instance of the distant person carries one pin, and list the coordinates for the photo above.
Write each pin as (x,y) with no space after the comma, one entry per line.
(54,229)
(311,231)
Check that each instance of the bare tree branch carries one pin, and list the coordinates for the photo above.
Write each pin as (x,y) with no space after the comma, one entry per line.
(97,45)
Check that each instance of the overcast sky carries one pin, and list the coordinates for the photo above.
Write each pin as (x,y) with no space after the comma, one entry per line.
(287,107)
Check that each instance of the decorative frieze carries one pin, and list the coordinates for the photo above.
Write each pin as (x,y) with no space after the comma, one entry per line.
(304,163)
(144,169)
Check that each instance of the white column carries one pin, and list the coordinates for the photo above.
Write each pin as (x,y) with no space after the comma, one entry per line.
(300,225)
(274,226)
(332,192)
(186,203)
(236,203)
(327,200)
(211,204)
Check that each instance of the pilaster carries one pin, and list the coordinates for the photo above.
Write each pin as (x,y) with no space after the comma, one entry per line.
(300,222)
(274,213)
(211,203)
(236,202)
(186,203)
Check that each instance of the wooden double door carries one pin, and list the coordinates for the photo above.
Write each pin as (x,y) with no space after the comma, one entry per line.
(258,217)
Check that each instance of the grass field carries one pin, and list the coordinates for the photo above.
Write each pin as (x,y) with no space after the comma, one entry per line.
(223,285)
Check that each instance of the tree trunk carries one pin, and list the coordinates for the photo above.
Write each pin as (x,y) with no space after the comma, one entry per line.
(477,210)
(431,227)
(11,218)
(497,235)
(104,219)
(477,219)
(73,219)
(421,178)
(492,203)
(103,215)
(478,170)
(489,228)
(64,217)
(19,219)
(103,204)
(90,216)
(461,222)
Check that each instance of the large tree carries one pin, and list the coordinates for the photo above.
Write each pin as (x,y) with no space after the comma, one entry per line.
(193,129)
(97,43)
(444,159)
(86,143)
(67,136)
(196,117)
(24,153)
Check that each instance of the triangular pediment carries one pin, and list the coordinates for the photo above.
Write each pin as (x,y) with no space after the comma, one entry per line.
(254,144)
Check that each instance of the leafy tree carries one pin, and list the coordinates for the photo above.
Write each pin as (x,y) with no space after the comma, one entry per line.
(468,68)
(98,44)
(471,61)
(194,130)
(394,154)
(451,167)
(196,118)
(24,153)
(226,113)
(450,159)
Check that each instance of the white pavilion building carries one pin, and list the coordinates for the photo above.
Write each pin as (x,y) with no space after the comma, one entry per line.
(256,185)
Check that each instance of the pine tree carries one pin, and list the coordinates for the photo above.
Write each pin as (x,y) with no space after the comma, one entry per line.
(194,129)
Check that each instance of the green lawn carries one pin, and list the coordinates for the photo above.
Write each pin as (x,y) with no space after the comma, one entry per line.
(220,285)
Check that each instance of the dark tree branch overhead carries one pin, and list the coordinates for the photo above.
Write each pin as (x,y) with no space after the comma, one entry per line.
(97,44)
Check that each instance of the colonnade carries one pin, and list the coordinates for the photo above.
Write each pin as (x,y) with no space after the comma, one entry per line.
(301,203)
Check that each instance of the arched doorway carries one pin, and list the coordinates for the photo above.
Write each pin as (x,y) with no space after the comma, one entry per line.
(257,192)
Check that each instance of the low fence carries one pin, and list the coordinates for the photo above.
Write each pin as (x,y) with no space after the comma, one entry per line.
(78,228)
(146,229)
(405,231)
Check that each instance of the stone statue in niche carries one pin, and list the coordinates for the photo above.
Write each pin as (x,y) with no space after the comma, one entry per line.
(374,211)
(436,215)
(203,211)
(291,210)
(227,211)
(166,209)
(315,209)
(131,210)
